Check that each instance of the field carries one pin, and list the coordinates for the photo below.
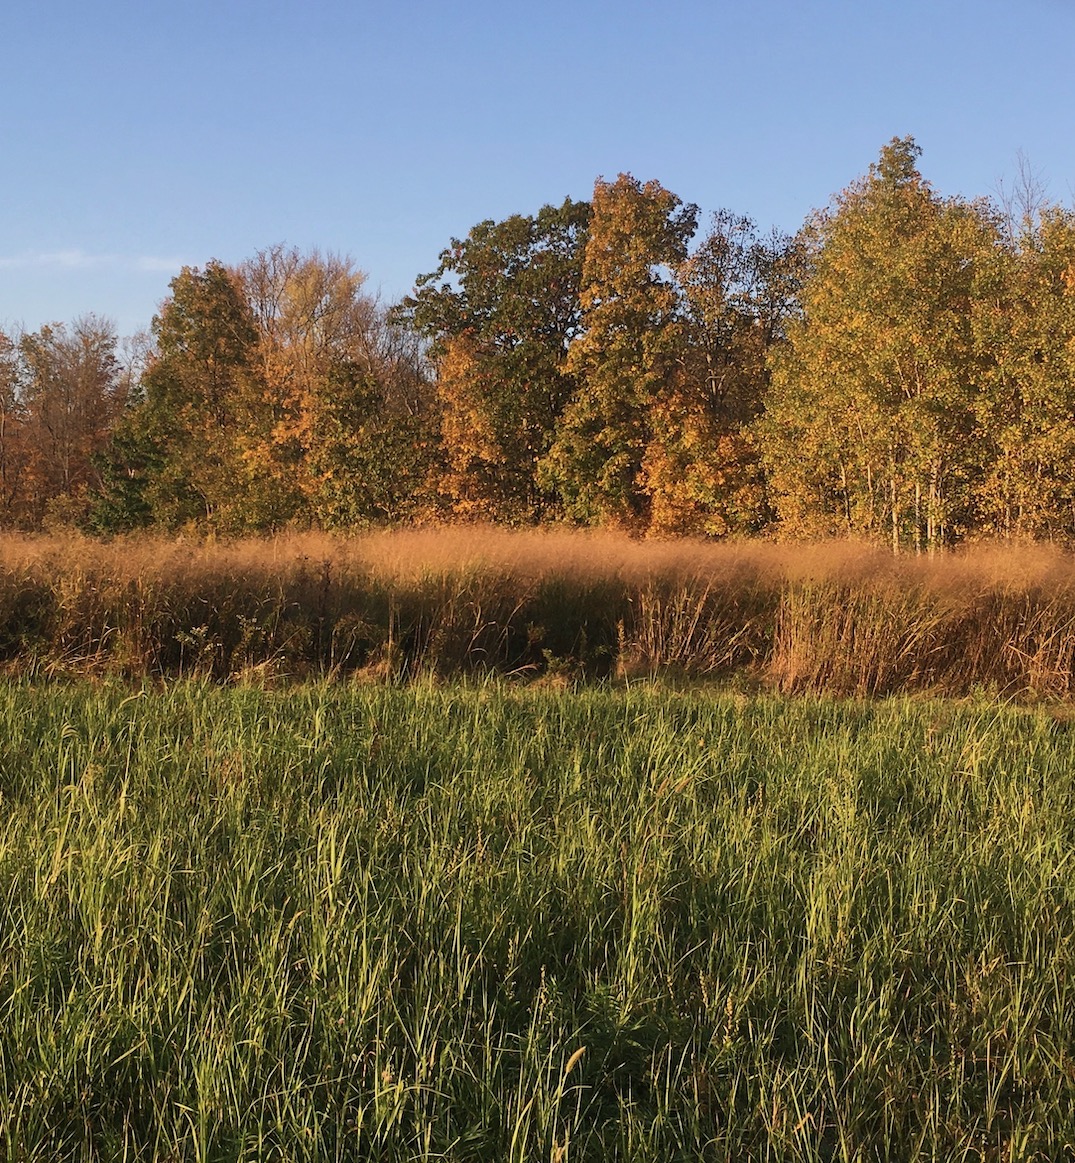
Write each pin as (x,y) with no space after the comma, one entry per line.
(487,920)
(842,618)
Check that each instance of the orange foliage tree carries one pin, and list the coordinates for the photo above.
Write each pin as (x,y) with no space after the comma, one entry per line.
(627,357)
(702,468)
(70,395)
(339,412)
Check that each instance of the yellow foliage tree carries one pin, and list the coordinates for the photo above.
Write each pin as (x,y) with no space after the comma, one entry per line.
(872,418)
(1027,325)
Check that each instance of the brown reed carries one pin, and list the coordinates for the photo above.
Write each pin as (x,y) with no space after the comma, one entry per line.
(843,617)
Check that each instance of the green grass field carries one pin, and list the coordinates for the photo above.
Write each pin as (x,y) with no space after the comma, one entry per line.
(508,923)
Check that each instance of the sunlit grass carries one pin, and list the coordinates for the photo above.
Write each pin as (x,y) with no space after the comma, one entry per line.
(505,923)
(839,618)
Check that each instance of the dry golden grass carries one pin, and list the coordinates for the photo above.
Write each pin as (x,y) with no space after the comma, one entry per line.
(840,617)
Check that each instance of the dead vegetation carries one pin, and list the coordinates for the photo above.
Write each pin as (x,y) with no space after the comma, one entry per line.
(838,617)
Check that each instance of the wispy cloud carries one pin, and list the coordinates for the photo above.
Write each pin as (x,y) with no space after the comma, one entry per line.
(153,262)
(82,260)
(65,259)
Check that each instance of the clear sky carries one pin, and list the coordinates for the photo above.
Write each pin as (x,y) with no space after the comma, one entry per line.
(137,136)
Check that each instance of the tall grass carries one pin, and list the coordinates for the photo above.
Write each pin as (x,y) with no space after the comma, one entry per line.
(426,922)
(840,618)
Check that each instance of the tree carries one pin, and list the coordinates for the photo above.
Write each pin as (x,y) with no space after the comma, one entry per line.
(499,313)
(340,412)
(1025,321)
(376,435)
(627,356)
(12,436)
(195,391)
(278,392)
(872,418)
(702,468)
(70,395)
(128,468)
(310,315)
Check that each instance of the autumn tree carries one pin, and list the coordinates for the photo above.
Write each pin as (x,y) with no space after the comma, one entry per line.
(278,392)
(498,314)
(1025,324)
(309,311)
(626,359)
(701,467)
(872,418)
(340,410)
(12,438)
(196,388)
(69,397)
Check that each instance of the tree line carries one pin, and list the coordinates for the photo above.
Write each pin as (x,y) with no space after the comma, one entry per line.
(902,368)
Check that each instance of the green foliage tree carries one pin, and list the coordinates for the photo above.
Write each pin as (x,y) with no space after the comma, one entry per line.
(374,453)
(128,469)
(184,437)
(498,314)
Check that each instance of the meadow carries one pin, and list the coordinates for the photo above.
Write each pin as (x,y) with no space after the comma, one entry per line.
(487,920)
(840,618)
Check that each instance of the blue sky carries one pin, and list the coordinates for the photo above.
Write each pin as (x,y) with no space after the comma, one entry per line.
(136,137)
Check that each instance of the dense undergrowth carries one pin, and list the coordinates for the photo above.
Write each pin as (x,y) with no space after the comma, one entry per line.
(840,618)
(493,922)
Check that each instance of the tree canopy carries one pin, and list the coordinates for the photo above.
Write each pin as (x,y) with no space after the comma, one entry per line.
(903,368)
